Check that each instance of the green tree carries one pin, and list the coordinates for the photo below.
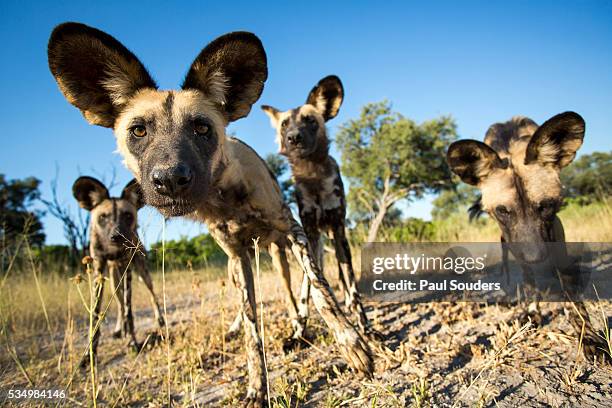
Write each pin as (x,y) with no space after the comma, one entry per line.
(589,177)
(279,167)
(16,213)
(388,158)
(462,197)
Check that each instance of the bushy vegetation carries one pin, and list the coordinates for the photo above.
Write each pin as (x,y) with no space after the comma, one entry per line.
(17,215)
(188,253)
(388,158)
(588,178)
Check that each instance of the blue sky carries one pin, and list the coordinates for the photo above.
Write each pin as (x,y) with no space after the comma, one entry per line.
(480,61)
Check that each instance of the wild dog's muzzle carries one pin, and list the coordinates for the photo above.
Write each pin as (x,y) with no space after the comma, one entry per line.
(172,181)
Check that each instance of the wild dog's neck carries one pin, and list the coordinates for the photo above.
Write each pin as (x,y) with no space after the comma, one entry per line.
(226,174)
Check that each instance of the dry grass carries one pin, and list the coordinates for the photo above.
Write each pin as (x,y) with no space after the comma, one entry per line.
(446,353)
(466,354)
(588,223)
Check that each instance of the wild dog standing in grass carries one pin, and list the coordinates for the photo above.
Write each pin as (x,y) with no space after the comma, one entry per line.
(302,138)
(175,144)
(115,247)
(517,171)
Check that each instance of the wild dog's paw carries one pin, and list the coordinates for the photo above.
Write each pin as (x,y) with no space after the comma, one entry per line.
(356,351)
(231,335)
(294,343)
(373,334)
(117,334)
(596,349)
(255,398)
(135,346)
(531,314)
(85,361)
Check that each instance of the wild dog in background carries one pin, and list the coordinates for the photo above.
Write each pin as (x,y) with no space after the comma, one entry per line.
(175,144)
(115,247)
(517,171)
(302,138)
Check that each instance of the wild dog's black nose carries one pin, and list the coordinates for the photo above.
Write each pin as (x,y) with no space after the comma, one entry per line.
(171,181)
(116,238)
(294,137)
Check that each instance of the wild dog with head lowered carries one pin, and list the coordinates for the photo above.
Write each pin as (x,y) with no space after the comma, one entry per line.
(174,142)
(115,247)
(517,171)
(319,192)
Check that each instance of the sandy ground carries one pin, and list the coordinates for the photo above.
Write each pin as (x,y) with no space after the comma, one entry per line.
(442,354)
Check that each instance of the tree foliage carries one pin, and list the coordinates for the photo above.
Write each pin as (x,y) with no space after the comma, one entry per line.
(17,215)
(75,225)
(448,202)
(589,177)
(196,252)
(387,158)
(410,230)
(279,167)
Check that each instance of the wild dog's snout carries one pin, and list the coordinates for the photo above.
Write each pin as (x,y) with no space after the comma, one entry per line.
(172,181)
(530,252)
(294,137)
(116,237)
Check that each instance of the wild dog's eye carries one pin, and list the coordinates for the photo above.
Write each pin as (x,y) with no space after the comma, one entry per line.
(310,120)
(201,128)
(102,219)
(502,211)
(284,123)
(138,131)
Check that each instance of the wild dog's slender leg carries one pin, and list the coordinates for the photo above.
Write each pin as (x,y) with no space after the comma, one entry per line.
(235,327)
(352,346)
(237,323)
(505,267)
(314,238)
(279,260)
(128,316)
(594,345)
(243,279)
(352,298)
(98,291)
(345,270)
(303,312)
(140,265)
(113,273)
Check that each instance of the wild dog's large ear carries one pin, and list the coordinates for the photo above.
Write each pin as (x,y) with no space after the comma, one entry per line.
(94,71)
(272,113)
(327,96)
(472,160)
(89,192)
(231,71)
(133,193)
(557,140)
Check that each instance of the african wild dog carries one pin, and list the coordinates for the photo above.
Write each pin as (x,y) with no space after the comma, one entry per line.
(302,138)
(175,144)
(114,246)
(517,171)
